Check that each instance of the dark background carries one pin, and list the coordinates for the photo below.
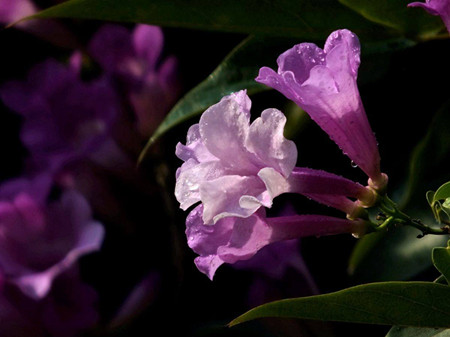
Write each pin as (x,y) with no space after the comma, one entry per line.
(401,92)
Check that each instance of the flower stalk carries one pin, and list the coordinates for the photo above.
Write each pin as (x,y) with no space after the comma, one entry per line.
(393,216)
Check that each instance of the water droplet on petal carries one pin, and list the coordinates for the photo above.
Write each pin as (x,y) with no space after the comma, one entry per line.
(353,164)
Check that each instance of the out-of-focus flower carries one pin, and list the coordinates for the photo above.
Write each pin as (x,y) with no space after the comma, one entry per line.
(64,118)
(151,86)
(436,7)
(69,309)
(234,239)
(234,168)
(12,11)
(323,83)
(42,236)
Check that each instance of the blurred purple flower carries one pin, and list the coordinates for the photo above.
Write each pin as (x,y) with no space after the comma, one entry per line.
(151,86)
(42,237)
(234,168)
(233,239)
(64,118)
(323,83)
(436,7)
(12,11)
(69,309)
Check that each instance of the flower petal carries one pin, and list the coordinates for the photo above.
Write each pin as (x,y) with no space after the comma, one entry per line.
(266,140)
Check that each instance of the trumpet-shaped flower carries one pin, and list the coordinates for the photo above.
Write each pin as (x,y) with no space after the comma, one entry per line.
(323,83)
(41,238)
(234,239)
(436,7)
(234,167)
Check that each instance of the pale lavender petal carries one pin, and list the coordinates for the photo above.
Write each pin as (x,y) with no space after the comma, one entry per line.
(194,148)
(148,43)
(275,183)
(190,177)
(224,128)
(221,197)
(267,141)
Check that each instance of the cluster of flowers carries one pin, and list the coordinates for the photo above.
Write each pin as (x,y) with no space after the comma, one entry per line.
(68,124)
(235,169)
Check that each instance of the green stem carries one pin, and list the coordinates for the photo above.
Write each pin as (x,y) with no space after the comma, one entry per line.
(395,216)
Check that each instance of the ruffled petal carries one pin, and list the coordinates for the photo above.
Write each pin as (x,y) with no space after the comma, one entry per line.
(221,197)
(224,128)
(267,141)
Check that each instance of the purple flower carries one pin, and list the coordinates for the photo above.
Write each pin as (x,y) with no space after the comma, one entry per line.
(234,168)
(151,86)
(69,309)
(323,83)
(64,118)
(436,7)
(234,239)
(11,11)
(42,237)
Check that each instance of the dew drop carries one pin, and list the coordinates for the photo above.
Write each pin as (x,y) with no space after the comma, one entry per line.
(353,164)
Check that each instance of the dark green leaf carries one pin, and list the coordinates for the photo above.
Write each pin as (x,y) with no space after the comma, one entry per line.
(301,18)
(395,14)
(441,260)
(421,304)
(395,255)
(442,192)
(398,331)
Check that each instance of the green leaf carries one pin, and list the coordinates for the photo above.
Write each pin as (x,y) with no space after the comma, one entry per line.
(441,260)
(395,14)
(421,304)
(442,192)
(395,255)
(300,18)
(446,207)
(398,331)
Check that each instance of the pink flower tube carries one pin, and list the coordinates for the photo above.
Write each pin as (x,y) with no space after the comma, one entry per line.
(323,83)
